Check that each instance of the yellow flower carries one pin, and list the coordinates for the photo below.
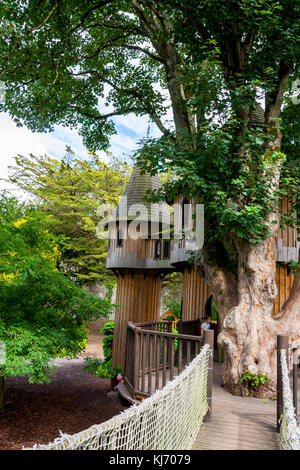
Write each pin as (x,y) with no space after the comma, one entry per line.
(11,253)
(20,222)
(7,277)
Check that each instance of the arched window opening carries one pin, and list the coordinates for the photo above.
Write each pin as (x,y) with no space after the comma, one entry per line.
(157,249)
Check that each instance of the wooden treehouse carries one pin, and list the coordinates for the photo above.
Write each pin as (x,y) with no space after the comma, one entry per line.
(140,255)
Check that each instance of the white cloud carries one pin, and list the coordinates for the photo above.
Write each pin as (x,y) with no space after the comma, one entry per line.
(15,140)
(20,140)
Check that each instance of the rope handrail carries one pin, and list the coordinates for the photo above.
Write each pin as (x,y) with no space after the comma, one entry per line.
(168,420)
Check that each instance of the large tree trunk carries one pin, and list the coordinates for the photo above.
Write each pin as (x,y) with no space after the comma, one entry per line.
(249,328)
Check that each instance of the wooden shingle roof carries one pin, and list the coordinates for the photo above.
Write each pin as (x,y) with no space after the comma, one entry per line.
(135,193)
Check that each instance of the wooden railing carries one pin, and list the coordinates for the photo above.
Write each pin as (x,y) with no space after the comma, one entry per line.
(155,355)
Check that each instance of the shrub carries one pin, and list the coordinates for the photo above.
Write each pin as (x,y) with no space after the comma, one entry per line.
(101,368)
(108,331)
(253,379)
(43,313)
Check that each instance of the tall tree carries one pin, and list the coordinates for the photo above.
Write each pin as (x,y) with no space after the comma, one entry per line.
(208,63)
(70,192)
(43,314)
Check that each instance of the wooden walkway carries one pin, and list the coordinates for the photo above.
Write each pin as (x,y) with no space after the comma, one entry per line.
(238,423)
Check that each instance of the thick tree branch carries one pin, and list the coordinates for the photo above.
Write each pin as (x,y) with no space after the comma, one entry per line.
(274,98)
(125,46)
(88,12)
(103,117)
(148,108)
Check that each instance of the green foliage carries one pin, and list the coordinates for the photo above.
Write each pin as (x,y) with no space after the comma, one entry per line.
(214,312)
(70,192)
(101,368)
(43,314)
(293,266)
(253,379)
(108,331)
(171,293)
(175,308)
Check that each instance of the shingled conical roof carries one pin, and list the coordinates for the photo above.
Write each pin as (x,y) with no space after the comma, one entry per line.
(135,192)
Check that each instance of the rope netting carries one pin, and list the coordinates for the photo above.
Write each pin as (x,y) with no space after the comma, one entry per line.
(288,424)
(168,420)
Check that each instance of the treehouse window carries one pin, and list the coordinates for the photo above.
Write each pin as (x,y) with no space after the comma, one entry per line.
(157,249)
(119,238)
(184,212)
(166,249)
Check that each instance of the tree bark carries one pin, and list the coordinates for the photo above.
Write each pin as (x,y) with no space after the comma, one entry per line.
(250,329)
(247,335)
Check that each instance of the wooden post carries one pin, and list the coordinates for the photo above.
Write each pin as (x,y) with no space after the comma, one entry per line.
(136,359)
(209,339)
(295,383)
(282,343)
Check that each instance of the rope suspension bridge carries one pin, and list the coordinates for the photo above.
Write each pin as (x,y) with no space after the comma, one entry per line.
(178,415)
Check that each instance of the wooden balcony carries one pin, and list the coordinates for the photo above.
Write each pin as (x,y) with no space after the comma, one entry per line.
(155,355)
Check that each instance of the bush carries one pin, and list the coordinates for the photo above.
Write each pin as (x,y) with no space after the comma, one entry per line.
(253,380)
(101,368)
(108,331)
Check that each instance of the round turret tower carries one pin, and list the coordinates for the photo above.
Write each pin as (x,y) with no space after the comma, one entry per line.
(139,255)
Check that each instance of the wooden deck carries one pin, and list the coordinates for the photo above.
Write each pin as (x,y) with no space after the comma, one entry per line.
(124,392)
(238,423)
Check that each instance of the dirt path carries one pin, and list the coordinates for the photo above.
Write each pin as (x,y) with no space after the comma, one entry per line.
(73,401)
(94,341)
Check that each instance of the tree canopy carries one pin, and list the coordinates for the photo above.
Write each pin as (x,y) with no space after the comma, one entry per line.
(197,68)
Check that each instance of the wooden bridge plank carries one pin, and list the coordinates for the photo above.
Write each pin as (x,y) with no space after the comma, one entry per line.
(238,423)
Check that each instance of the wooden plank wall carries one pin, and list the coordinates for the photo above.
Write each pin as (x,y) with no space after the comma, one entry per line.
(138,297)
(142,247)
(195,292)
(284,283)
(288,235)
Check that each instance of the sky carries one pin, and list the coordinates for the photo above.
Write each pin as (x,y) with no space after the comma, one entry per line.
(20,140)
